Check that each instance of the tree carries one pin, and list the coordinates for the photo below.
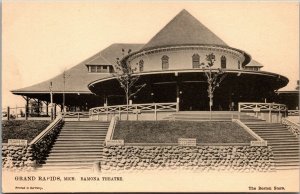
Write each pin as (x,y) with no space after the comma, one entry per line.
(213,78)
(124,72)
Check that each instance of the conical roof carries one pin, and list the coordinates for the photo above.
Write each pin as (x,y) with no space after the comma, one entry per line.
(184,29)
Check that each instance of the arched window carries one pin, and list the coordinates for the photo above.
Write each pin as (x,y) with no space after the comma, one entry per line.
(223,62)
(165,62)
(141,65)
(196,61)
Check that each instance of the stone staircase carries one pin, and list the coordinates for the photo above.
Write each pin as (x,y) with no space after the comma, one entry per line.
(284,144)
(205,116)
(78,146)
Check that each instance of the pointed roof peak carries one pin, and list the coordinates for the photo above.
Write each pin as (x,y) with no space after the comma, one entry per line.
(184,29)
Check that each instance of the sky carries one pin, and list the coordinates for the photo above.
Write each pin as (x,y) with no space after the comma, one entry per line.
(42,38)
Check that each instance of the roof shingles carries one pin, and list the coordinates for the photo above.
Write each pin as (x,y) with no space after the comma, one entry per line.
(78,77)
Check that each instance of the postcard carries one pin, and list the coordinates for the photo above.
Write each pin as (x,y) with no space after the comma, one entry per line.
(154,96)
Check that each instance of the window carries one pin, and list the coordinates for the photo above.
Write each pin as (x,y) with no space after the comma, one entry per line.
(93,68)
(165,62)
(239,65)
(99,68)
(196,61)
(141,65)
(223,62)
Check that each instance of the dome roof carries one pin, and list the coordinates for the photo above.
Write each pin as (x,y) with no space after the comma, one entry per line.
(184,29)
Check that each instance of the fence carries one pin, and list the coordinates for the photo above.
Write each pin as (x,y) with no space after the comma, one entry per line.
(269,111)
(134,109)
(20,113)
(75,115)
(293,112)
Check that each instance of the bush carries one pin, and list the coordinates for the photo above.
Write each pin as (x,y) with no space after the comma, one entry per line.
(20,129)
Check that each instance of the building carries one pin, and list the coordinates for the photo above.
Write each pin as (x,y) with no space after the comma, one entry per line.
(170,65)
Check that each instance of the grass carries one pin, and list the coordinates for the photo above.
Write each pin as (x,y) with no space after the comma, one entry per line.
(170,131)
(20,129)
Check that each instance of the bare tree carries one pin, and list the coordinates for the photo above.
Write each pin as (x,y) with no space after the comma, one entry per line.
(125,74)
(213,78)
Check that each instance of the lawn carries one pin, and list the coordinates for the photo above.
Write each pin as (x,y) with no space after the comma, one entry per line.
(170,131)
(17,129)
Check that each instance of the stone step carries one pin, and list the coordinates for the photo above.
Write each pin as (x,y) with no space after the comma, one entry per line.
(276,133)
(261,125)
(78,153)
(85,127)
(81,135)
(271,131)
(80,138)
(268,128)
(286,157)
(287,168)
(268,138)
(282,144)
(75,146)
(75,140)
(78,143)
(286,162)
(73,157)
(286,151)
(85,122)
(285,147)
(72,160)
(66,170)
(205,118)
(70,164)
(199,120)
(83,132)
(276,136)
(57,150)
(81,129)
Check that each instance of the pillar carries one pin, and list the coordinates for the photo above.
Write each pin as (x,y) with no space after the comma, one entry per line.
(39,109)
(177,92)
(8,113)
(54,116)
(47,110)
(26,108)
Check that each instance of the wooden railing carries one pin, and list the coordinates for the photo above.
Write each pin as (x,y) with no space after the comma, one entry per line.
(293,112)
(261,107)
(271,109)
(293,127)
(78,115)
(134,109)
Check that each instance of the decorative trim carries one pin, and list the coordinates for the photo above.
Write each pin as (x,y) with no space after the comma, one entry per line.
(235,53)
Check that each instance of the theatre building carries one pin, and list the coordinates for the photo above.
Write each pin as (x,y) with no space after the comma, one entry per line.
(173,67)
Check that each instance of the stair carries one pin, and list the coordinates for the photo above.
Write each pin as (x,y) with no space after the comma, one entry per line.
(284,144)
(215,116)
(78,146)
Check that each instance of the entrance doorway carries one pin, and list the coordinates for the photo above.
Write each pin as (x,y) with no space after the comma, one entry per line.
(193,97)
